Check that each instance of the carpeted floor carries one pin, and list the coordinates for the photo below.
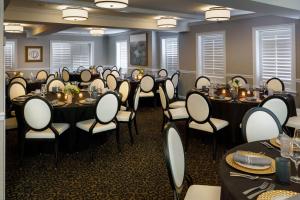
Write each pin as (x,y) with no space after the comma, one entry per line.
(138,172)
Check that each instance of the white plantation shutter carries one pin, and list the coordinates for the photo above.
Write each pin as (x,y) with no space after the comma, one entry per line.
(169,54)
(211,49)
(275,55)
(9,54)
(122,54)
(70,54)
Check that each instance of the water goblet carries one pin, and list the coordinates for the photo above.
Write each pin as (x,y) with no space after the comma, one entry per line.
(295,155)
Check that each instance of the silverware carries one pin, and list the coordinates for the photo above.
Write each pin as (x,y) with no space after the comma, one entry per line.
(251,177)
(263,186)
(269,146)
(271,187)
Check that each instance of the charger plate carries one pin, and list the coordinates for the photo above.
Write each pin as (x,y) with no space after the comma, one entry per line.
(235,165)
(275,142)
(276,195)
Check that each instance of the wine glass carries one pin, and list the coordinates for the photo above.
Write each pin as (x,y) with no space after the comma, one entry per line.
(295,155)
(43,89)
(90,90)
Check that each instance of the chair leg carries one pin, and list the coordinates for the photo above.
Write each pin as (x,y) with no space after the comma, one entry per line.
(135,125)
(214,146)
(118,138)
(130,132)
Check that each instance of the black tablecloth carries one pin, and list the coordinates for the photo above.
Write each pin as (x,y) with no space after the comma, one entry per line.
(76,77)
(232,187)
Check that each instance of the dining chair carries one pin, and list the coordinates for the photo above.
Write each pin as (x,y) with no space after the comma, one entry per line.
(65,75)
(275,84)
(38,117)
(147,86)
(162,73)
(19,80)
(42,75)
(294,122)
(56,74)
(106,73)
(279,106)
(199,109)
(56,83)
(170,114)
(242,81)
(111,82)
(260,124)
(170,90)
(124,90)
(85,76)
(115,73)
(107,107)
(15,90)
(98,83)
(80,69)
(100,69)
(175,81)
(202,81)
(176,167)
(135,73)
(129,116)
(114,68)
(50,77)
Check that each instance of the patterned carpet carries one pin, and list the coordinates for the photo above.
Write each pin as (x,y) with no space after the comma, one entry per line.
(138,172)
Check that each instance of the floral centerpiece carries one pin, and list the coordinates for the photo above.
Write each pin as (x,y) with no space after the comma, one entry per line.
(69,91)
(234,85)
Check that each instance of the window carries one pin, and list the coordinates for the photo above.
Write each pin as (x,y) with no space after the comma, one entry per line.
(211,60)
(122,54)
(169,53)
(275,54)
(71,54)
(10,54)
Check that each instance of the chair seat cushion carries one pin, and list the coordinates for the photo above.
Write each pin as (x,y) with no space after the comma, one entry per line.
(48,133)
(219,124)
(294,122)
(177,104)
(196,192)
(124,108)
(86,125)
(123,116)
(177,113)
(146,94)
(11,123)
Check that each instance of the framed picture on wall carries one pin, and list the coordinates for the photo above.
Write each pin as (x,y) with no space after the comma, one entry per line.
(138,49)
(33,53)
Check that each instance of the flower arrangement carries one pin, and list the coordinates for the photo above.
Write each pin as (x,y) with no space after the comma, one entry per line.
(234,84)
(71,89)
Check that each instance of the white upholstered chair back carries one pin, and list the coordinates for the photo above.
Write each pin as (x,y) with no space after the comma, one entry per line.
(124,90)
(16,89)
(115,73)
(170,88)
(56,83)
(136,98)
(175,79)
(147,83)
(106,73)
(134,73)
(111,82)
(50,77)
(100,69)
(163,73)
(85,75)
(19,80)
(65,75)
(275,84)
(198,106)
(107,107)
(202,81)
(37,113)
(97,83)
(260,124)
(114,68)
(42,75)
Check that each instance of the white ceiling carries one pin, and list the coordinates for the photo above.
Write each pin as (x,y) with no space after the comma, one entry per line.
(81,31)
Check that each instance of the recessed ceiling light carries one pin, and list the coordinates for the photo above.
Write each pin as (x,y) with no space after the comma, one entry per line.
(13,28)
(75,14)
(111,4)
(96,32)
(167,22)
(217,14)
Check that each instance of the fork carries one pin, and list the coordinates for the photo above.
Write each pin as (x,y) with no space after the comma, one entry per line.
(271,187)
(263,186)
(269,146)
(251,177)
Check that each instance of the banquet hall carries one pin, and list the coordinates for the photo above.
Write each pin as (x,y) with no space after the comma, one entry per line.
(138,99)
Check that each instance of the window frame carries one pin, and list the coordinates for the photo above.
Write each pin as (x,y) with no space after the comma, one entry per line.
(255,40)
(161,51)
(15,60)
(199,68)
(116,57)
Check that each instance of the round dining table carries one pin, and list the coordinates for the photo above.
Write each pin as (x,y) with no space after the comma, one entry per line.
(232,187)
(74,76)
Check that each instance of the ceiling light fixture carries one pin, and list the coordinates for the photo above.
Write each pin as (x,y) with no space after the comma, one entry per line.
(166,22)
(217,14)
(111,4)
(13,28)
(75,14)
(97,32)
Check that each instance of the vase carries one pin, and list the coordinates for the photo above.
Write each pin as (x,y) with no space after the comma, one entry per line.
(69,98)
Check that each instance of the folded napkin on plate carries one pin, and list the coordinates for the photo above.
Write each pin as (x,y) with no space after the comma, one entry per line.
(89,100)
(297,197)
(251,159)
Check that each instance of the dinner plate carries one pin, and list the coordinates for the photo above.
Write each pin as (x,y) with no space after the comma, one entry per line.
(250,100)
(276,142)
(86,102)
(21,98)
(276,195)
(221,99)
(59,103)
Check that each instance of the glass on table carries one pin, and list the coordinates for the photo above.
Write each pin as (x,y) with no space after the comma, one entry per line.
(295,155)
(43,89)
(285,145)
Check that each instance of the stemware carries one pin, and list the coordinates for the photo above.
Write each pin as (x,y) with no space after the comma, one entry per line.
(295,155)
(43,89)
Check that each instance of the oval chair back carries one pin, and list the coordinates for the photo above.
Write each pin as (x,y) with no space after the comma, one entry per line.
(175,79)
(275,84)
(16,89)
(80,69)
(198,107)
(56,83)
(65,75)
(106,73)
(242,81)
(279,106)
(163,97)
(100,69)
(85,76)
(111,82)
(98,83)
(114,68)
(124,90)
(42,75)
(147,83)
(107,107)
(50,77)
(169,88)
(163,73)
(115,73)
(136,98)
(134,73)
(19,80)
(202,81)
(174,157)
(260,124)
(37,113)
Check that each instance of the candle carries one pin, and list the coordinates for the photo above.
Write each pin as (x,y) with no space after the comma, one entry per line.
(80,95)
(224,91)
(58,95)
(66,96)
(243,93)
(248,92)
